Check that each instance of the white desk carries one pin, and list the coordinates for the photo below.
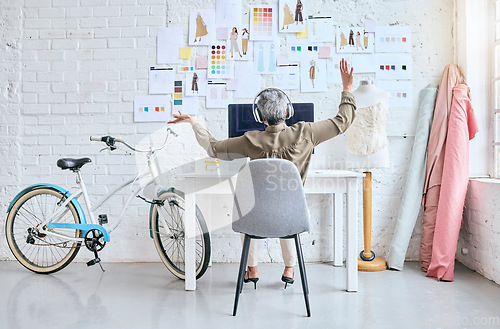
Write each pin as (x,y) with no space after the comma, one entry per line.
(336,182)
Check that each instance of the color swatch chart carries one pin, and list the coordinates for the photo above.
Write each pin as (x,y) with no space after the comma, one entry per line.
(262,23)
(218,66)
(151,108)
(177,95)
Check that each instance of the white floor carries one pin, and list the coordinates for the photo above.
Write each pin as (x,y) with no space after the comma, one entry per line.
(146,295)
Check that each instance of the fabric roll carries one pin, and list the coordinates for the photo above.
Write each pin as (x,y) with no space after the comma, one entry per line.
(412,195)
(435,158)
(462,127)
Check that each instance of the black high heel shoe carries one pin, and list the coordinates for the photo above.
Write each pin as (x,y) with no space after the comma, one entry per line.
(254,280)
(287,280)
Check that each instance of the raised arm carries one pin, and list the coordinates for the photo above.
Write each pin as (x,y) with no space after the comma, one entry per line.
(324,130)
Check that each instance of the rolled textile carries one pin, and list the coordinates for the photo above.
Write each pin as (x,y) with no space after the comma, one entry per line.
(412,195)
(435,157)
(462,127)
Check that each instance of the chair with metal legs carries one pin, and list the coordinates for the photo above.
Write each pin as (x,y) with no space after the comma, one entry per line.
(269,202)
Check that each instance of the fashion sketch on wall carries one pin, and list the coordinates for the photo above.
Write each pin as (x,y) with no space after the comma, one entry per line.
(265,53)
(354,40)
(201,27)
(292,16)
(238,44)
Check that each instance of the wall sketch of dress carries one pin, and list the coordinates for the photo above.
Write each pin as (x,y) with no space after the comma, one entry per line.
(298,13)
(244,41)
(343,40)
(312,71)
(194,83)
(201,28)
(260,65)
(288,19)
(272,59)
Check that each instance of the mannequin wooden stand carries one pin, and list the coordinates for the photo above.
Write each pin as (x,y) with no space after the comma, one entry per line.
(367,261)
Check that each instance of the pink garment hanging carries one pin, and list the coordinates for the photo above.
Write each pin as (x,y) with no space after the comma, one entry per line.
(435,158)
(462,127)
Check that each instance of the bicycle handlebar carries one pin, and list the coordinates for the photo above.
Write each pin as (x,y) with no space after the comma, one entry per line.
(110,142)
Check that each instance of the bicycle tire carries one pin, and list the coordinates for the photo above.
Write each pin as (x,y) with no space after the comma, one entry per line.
(44,254)
(165,244)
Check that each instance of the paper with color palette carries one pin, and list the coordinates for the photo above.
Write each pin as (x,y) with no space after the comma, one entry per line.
(218,65)
(263,22)
(152,108)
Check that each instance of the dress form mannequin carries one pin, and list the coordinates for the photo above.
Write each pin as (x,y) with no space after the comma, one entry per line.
(369,152)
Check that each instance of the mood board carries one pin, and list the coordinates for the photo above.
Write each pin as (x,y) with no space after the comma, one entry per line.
(283,41)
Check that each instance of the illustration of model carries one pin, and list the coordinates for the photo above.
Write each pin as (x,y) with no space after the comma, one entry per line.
(288,19)
(194,83)
(234,44)
(201,28)
(298,13)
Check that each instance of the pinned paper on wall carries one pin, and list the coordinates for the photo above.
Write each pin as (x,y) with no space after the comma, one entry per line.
(324,52)
(320,29)
(185,69)
(333,68)
(401,92)
(185,52)
(218,65)
(238,45)
(354,40)
(394,66)
(201,62)
(265,53)
(196,83)
(161,80)
(364,63)
(222,33)
(232,84)
(393,39)
(371,26)
(168,42)
(287,77)
(298,48)
(282,59)
(248,80)
(152,108)
(263,22)
(201,27)
(292,16)
(217,95)
(313,75)
(228,12)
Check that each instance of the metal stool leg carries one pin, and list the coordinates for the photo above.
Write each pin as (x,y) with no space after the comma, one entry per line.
(241,273)
(303,276)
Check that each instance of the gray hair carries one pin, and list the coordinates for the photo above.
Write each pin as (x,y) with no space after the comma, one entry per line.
(272,104)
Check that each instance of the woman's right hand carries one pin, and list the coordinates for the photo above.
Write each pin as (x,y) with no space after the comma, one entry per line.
(347,77)
(182,118)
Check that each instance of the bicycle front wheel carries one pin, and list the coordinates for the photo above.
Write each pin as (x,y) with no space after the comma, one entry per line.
(38,251)
(170,243)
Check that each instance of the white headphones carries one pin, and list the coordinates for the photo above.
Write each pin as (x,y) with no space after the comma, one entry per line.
(258,115)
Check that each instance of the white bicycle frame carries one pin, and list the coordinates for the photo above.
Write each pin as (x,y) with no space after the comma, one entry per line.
(153,171)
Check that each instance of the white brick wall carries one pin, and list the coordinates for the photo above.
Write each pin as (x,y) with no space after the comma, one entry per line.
(480,232)
(74,67)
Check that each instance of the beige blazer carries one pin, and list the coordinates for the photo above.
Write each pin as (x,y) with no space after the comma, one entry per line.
(293,143)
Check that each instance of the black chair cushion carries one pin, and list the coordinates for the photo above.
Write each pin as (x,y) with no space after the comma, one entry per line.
(73,164)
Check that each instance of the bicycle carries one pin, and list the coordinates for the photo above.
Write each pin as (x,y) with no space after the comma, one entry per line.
(46,225)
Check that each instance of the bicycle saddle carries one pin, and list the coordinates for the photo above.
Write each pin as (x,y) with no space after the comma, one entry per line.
(73,164)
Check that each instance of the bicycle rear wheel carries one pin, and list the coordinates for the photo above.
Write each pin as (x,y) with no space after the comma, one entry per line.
(37,251)
(170,245)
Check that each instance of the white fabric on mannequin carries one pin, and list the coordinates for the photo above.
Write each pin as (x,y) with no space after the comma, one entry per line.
(371,98)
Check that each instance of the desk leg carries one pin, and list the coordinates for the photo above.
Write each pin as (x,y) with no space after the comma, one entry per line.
(338,219)
(352,235)
(189,231)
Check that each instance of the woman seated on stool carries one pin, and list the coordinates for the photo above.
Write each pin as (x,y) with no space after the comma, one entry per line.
(294,143)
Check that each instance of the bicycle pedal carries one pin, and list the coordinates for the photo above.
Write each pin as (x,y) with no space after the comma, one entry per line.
(93,261)
(103,219)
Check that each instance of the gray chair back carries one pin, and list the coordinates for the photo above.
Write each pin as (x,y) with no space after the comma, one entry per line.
(269,200)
